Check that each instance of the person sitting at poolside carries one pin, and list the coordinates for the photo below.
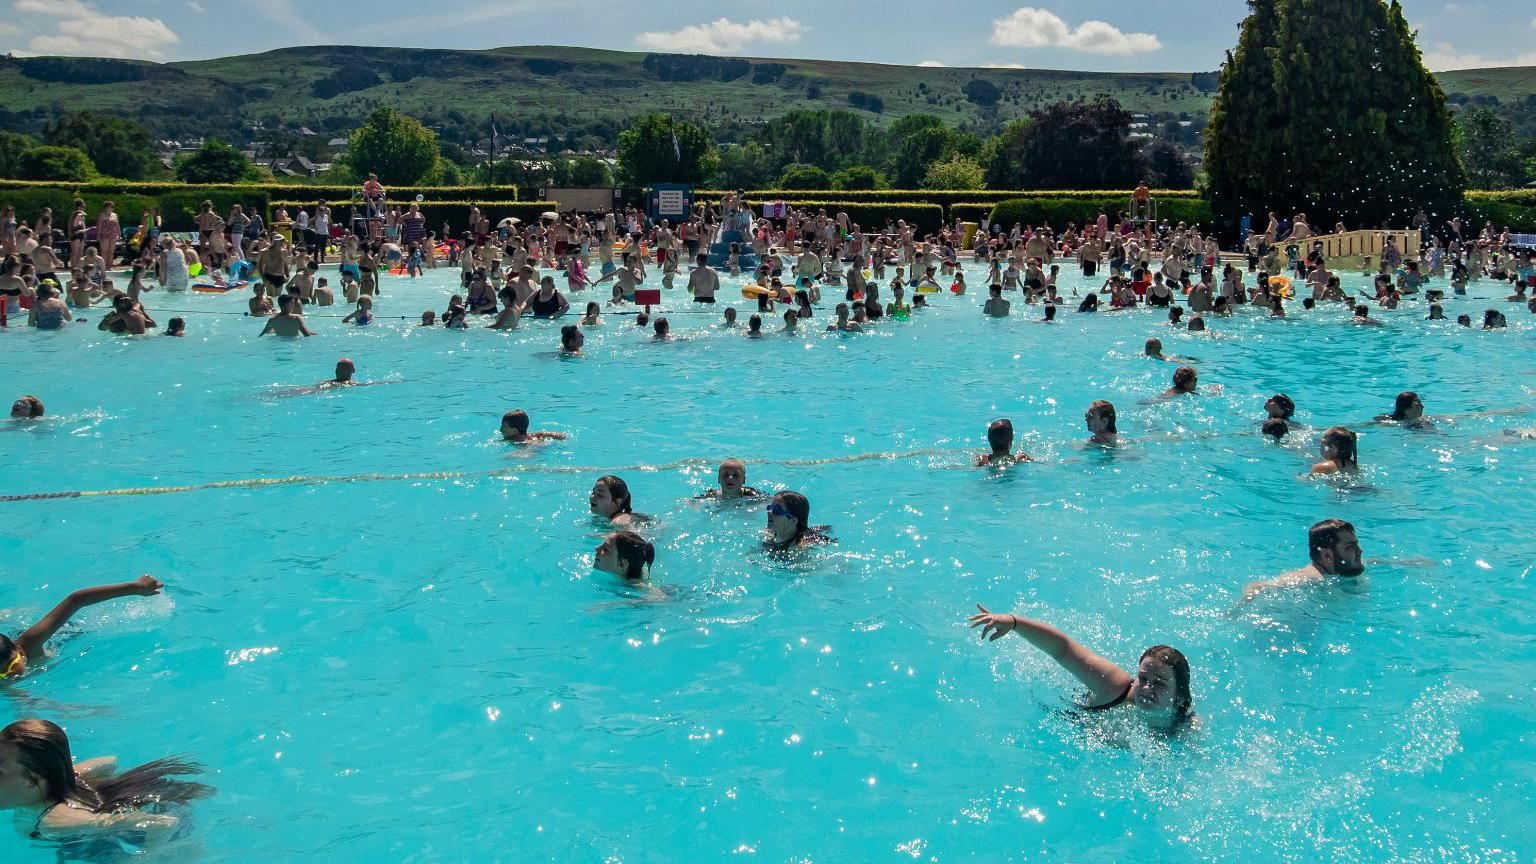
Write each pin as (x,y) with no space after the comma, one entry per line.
(287,323)
(28,407)
(571,340)
(1339,448)
(16,654)
(610,500)
(1275,427)
(1000,439)
(995,306)
(1334,550)
(1101,423)
(789,525)
(1159,690)
(514,428)
(843,324)
(65,800)
(1407,410)
(732,477)
(626,555)
(1185,381)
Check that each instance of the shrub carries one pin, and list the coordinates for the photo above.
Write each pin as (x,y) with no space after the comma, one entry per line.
(869,215)
(455,213)
(1057,212)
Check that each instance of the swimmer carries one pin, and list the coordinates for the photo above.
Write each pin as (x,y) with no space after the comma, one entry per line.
(1196,324)
(789,526)
(1275,428)
(1464,320)
(1436,312)
(287,322)
(1493,319)
(610,500)
(28,407)
(16,654)
(345,369)
(260,305)
(593,316)
(1340,451)
(176,327)
(996,306)
(1407,410)
(662,328)
(729,317)
(1154,349)
(791,322)
(514,428)
(1101,423)
(1050,314)
(571,340)
(755,326)
(843,324)
(1279,407)
(428,318)
(363,314)
(732,478)
(1185,381)
(626,555)
(1159,690)
(1334,550)
(1363,317)
(1175,313)
(62,799)
(1000,439)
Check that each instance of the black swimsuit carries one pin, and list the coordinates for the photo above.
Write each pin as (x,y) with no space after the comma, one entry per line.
(1113,703)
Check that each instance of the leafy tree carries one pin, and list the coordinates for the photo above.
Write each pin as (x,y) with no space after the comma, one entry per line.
(799,175)
(1486,143)
(658,148)
(1066,145)
(12,146)
(49,162)
(1358,133)
(982,92)
(858,177)
(822,138)
(745,166)
(1167,168)
(914,142)
(583,172)
(955,172)
(118,148)
(394,146)
(216,162)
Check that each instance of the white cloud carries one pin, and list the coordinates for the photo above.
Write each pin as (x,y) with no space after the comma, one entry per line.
(934,64)
(81,29)
(722,36)
(196,6)
(1004,66)
(1029,27)
(1444,56)
(9,29)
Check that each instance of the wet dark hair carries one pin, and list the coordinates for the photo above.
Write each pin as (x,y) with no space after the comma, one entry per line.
(635,551)
(42,748)
(618,490)
(1404,401)
(799,507)
(569,336)
(1184,378)
(1196,324)
(1287,405)
(1362,311)
(1050,311)
(34,405)
(1175,313)
(1154,346)
(1275,428)
(1174,659)
(1325,535)
(517,419)
(661,326)
(1343,442)
(1090,303)
(1000,434)
(1107,410)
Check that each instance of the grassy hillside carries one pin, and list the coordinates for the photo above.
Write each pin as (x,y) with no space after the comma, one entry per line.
(329,88)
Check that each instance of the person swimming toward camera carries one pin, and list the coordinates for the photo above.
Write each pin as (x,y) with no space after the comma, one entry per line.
(789,527)
(1334,550)
(610,501)
(732,479)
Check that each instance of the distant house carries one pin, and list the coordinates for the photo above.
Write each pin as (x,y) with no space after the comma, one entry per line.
(338,143)
(307,132)
(297,166)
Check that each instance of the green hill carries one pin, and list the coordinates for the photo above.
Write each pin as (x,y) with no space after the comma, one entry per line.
(543,90)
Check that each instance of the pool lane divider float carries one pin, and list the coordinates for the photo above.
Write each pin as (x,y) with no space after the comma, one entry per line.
(320,480)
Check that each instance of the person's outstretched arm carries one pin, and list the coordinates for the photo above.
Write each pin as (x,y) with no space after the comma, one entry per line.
(1104,679)
(36,636)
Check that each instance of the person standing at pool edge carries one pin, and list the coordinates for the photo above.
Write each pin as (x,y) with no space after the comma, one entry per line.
(1159,690)
(1334,550)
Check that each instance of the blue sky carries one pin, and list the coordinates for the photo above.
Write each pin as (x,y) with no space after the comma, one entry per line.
(1149,35)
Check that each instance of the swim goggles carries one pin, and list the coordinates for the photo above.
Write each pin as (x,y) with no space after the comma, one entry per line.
(776,510)
(14,666)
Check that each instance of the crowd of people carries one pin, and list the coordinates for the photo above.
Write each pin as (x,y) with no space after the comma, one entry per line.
(804,258)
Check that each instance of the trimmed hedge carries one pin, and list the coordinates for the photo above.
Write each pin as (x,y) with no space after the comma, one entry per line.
(456,213)
(1057,212)
(872,215)
(948,197)
(177,208)
(274,191)
(1525,197)
(1520,218)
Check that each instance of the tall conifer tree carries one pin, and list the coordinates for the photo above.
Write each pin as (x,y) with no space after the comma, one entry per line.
(1325,108)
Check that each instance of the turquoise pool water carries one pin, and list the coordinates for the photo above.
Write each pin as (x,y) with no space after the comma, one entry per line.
(428,669)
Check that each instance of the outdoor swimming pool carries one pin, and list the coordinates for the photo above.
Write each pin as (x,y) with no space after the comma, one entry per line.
(428,669)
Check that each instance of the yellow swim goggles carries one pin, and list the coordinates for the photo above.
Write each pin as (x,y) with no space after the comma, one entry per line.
(14,666)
